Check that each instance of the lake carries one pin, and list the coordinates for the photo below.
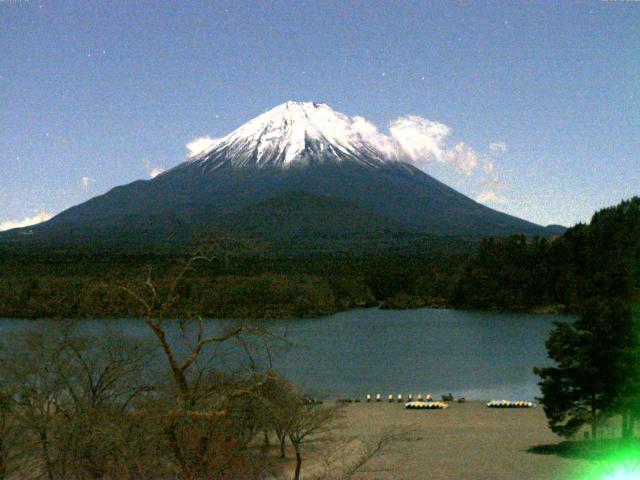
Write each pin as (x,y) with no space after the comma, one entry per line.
(478,355)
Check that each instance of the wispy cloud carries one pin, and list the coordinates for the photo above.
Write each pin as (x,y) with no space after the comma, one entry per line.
(423,141)
(488,166)
(491,197)
(152,171)
(25,222)
(498,147)
(200,144)
(417,140)
(489,193)
(86,182)
(491,185)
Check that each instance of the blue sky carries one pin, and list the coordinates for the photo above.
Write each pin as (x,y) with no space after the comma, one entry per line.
(98,94)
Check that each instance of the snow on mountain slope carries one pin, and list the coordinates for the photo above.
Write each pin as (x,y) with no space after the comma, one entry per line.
(296,133)
(299,167)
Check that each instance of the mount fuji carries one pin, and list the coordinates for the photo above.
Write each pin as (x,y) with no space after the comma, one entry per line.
(300,169)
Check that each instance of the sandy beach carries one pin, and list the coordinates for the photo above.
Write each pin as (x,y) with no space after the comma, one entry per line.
(466,441)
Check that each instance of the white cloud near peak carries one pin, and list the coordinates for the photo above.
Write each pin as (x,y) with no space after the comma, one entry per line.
(462,158)
(411,138)
(199,145)
(491,197)
(25,222)
(416,140)
(152,171)
(422,141)
(419,141)
(155,171)
(370,133)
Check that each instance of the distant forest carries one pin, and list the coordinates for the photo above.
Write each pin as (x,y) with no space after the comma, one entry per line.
(514,273)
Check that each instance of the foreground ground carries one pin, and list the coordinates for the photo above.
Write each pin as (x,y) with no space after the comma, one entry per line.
(467,441)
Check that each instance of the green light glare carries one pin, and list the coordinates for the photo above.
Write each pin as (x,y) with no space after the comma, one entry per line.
(621,472)
(624,474)
(614,461)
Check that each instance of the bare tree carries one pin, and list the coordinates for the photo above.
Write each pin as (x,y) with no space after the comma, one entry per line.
(337,457)
(307,420)
(28,368)
(105,372)
(280,402)
(101,377)
(69,397)
(205,407)
(88,406)
(10,437)
(157,306)
(346,457)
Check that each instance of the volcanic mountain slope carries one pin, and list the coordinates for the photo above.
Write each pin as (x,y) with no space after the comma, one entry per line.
(300,168)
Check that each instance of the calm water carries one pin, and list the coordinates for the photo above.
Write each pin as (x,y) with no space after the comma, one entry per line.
(478,355)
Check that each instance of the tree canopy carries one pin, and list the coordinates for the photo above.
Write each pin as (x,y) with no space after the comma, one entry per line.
(598,356)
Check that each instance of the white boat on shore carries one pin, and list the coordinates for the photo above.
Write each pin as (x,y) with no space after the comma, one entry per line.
(417,405)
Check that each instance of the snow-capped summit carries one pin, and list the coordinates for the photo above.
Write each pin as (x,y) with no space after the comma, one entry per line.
(299,171)
(295,133)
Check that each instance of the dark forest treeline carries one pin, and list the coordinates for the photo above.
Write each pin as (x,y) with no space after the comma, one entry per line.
(602,258)
(249,286)
(596,375)
(515,273)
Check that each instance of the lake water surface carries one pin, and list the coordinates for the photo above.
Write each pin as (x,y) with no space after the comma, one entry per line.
(477,355)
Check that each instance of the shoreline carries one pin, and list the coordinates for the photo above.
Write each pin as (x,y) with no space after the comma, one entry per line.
(538,310)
